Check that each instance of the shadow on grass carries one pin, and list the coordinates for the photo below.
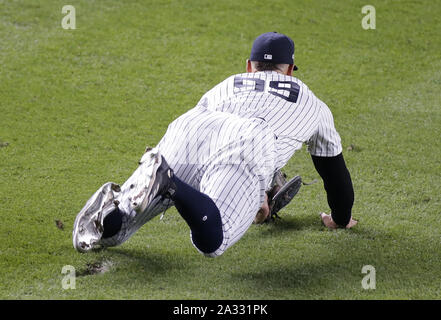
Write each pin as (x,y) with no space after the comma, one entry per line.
(313,223)
(289,280)
(288,224)
(147,261)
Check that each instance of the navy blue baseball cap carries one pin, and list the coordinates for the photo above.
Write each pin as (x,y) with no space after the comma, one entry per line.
(273,47)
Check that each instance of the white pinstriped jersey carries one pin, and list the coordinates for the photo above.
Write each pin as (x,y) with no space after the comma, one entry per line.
(294,113)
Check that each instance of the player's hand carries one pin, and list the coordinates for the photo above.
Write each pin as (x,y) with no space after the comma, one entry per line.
(328,222)
(263,212)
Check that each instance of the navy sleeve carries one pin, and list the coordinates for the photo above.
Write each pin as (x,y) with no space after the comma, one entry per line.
(338,186)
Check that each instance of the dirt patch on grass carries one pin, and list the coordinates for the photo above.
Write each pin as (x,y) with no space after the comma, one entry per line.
(93,268)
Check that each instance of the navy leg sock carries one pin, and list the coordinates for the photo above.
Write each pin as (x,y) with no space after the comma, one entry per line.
(201,214)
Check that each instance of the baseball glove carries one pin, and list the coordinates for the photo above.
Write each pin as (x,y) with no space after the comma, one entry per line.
(280,194)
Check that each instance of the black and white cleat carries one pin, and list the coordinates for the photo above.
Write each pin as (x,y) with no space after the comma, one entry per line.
(139,199)
(88,226)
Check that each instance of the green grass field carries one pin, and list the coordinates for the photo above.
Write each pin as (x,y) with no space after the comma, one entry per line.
(78,107)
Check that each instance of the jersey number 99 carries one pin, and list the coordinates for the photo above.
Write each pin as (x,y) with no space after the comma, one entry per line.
(287,90)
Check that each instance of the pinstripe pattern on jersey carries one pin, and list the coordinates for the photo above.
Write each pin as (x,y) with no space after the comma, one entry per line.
(202,136)
(308,120)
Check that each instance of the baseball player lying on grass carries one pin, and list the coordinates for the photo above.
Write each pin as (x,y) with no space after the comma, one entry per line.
(218,162)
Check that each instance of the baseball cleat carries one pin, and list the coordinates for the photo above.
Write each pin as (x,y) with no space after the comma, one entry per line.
(158,182)
(88,225)
(284,196)
(143,196)
(139,199)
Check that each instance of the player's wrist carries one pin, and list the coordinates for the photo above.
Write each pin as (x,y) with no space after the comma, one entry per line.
(328,221)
